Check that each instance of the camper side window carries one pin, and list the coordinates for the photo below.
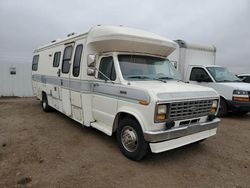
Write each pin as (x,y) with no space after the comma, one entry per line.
(35,62)
(77,60)
(107,68)
(199,75)
(66,59)
(56,60)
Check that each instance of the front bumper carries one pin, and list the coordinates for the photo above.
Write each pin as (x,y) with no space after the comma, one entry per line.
(159,136)
(238,106)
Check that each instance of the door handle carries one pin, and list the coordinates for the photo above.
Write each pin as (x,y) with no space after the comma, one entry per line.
(123,92)
(95,84)
(59,73)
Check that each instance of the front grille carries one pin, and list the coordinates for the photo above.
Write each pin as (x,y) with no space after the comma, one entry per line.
(189,109)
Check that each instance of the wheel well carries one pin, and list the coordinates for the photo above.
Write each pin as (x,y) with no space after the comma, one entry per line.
(222,98)
(43,93)
(119,117)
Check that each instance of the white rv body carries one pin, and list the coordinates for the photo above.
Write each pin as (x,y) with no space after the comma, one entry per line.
(189,57)
(80,91)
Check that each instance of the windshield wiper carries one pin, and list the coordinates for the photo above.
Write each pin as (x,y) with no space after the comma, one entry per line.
(226,81)
(139,77)
(165,78)
(237,81)
(160,80)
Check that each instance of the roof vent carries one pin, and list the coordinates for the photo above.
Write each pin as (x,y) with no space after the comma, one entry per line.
(71,34)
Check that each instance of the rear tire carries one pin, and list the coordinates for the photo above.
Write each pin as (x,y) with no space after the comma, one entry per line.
(45,104)
(223,111)
(131,140)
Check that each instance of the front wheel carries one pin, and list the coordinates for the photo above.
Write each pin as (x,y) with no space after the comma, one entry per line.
(223,111)
(131,140)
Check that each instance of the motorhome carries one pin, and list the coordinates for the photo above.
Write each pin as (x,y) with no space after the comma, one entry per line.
(117,79)
(196,63)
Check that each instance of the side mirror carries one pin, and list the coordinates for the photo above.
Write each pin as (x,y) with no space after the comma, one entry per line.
(91,72)
(91,60)
(174,63)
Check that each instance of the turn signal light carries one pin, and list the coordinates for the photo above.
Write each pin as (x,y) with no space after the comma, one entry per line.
(160,117)
(241,99)
(143,102)
(213,110)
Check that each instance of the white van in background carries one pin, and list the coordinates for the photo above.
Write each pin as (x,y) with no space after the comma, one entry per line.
(196,63)
(118,80)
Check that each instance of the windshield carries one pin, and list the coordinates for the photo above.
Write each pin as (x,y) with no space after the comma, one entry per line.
(221,74)
(139,67)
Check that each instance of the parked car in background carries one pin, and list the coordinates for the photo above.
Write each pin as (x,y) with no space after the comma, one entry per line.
(244,77)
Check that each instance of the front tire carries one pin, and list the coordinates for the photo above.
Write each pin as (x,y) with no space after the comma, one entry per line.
(131,140)
(223,111)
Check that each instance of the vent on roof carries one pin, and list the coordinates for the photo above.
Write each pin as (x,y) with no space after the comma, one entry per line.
(71,34)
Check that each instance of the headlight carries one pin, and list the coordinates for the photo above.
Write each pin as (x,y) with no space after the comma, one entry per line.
(240,92)
(162,109)
(240,95)
(214,106)
(161,113)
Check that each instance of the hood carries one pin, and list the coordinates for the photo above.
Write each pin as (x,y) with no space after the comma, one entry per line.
(174,90)
(237,85)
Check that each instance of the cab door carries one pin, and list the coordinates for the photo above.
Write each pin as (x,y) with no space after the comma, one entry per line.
(65,79)
(104,99)
(200,76)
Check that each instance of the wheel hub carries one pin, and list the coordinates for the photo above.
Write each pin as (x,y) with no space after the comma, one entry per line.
(129,138)
(44,104)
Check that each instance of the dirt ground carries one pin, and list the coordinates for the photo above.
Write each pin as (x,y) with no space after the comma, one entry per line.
(40,149)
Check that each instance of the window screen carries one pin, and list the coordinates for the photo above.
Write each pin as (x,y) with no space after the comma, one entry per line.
(107,68)
(56,60)
(66,59)
(77,60)
(35,62)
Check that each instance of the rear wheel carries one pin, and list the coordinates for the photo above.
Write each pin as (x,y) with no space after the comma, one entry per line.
(131,140)
(45,104)
(223,111)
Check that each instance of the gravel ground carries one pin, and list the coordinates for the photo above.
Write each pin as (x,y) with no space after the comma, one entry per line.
(40,149)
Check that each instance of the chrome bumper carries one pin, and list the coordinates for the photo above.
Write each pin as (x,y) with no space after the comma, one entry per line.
(158,136)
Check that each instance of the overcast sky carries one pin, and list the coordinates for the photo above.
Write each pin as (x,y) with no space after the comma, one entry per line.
(27,24)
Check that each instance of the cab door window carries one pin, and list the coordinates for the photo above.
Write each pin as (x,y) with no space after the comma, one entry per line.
(199,75)
(107,68)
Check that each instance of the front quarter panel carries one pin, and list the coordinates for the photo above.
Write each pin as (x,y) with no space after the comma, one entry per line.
(224,91)
(143,113)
